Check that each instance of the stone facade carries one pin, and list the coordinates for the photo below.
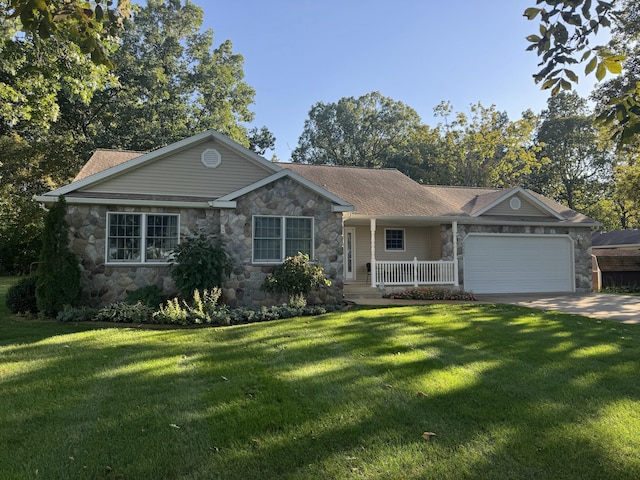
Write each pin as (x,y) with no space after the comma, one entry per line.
(284,197)
(103,284)
(581,238)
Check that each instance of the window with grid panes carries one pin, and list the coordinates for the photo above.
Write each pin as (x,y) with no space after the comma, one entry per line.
(394,239)
(275,238)
(141,237)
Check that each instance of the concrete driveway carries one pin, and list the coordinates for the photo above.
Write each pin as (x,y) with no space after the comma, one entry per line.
(620,308)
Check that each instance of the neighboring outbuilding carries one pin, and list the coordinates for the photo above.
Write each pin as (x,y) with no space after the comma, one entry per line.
(616,258)
(128,210)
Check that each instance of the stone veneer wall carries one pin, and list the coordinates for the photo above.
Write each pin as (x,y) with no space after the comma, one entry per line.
(284,197)
(581,245)
(103,284)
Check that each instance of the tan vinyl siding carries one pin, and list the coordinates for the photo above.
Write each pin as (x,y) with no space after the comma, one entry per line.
(435,243)
(184,174)
(363,252)
(420,242)
(526,209)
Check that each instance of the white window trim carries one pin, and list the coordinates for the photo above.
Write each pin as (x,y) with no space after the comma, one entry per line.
(404,240)
(283,238)
(143,237)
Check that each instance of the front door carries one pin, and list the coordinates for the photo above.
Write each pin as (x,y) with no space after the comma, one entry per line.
(349,253)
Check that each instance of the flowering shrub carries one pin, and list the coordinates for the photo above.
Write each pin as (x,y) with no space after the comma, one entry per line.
(431,294)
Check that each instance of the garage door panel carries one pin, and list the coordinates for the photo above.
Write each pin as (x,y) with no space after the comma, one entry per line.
(518,264)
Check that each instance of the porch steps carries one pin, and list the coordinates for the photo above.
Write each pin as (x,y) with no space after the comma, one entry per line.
(355,291)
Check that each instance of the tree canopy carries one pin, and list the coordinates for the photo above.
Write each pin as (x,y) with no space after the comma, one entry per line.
(86,24)
(361,131)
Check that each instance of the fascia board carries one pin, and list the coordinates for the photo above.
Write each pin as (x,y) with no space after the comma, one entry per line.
(473,221)
(114,201)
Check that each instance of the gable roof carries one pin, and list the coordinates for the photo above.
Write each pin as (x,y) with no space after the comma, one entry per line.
(380,192)
(228,201)
(103,159)
(118,162)
(388,192)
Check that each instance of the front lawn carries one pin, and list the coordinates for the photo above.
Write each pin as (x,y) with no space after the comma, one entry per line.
(509,392)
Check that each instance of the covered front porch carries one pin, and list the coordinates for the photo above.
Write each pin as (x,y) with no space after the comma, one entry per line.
(388,253)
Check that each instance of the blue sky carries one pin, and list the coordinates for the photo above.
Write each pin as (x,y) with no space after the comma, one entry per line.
(419,52)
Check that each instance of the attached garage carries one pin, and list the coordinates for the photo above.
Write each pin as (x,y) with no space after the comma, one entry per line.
(510,263)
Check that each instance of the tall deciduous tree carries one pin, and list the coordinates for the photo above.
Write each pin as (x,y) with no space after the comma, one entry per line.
(172,82)
(485,148)
(39,78)
(579,167)
(363,131)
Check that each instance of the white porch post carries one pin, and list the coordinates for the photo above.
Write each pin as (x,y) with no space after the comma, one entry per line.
(374,280)
(454,232)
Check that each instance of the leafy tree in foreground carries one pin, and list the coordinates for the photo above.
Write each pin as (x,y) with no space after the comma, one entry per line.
(84,23)
(58,281)
(566,30)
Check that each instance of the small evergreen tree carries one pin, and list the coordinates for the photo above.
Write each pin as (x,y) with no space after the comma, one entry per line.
(58,281)
(201,263)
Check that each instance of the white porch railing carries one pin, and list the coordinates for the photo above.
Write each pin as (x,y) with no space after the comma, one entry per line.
(440,272)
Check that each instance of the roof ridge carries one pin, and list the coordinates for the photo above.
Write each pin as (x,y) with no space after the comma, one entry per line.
(354,167)
(121,150)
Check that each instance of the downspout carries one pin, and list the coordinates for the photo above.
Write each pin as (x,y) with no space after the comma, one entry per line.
(373,253)
(454,232)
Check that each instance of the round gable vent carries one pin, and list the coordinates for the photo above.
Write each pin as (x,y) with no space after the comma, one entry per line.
(515,203)
(211,158)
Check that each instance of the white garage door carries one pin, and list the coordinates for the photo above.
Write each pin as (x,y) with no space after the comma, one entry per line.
(503,263)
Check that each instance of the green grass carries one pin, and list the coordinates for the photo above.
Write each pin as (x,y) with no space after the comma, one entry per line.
(510,392)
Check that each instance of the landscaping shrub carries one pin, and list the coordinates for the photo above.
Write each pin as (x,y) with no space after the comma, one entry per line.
(21,297)
(296,277)
(58,281)
(76,314)
(621,289)
(200,263)
(123,312)
(150,295)
(431,294)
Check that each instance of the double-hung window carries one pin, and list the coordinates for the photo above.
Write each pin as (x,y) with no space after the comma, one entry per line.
(141,237)
(275,238)
(394,240)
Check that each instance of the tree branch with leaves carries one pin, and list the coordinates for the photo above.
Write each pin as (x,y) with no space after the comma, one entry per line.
(566,31)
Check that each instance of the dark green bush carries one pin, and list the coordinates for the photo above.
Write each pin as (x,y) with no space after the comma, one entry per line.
(21,297)
(296,277)
(150,295)
(58,271)
(201,263)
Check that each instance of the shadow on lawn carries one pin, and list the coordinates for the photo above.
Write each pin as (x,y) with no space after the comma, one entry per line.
(324,398)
